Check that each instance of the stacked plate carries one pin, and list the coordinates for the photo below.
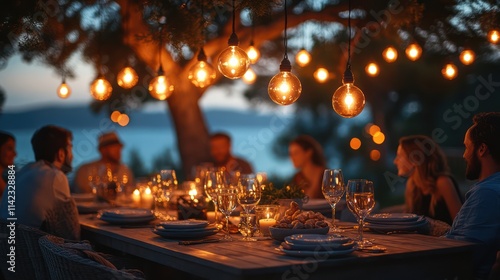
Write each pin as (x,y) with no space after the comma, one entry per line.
(314,245)
(386,222)
(126,215)
(185,229)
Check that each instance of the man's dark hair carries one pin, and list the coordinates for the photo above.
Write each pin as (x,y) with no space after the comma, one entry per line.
(221,135)
(486,129)
(48,140)
(5,136)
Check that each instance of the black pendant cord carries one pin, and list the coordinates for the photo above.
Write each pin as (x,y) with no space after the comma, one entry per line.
(234,15)
(349,36)
(285,42)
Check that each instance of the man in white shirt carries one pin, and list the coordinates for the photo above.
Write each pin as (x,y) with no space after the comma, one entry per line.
(42,196)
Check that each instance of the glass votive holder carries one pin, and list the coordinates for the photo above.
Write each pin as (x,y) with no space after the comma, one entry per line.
(266,216)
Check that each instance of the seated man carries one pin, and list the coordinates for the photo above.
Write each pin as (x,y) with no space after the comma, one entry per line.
(42,189)
(478,220)
(110,148)
(220,150)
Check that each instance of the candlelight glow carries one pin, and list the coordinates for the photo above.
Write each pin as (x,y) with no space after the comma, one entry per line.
(253,54)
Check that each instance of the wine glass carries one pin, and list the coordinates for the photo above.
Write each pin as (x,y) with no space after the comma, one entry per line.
(166,183)
(333,189)
(227,199)
(213,182)
(249,194)
(360,196)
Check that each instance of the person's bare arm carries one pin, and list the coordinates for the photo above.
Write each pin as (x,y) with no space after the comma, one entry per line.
(447,190)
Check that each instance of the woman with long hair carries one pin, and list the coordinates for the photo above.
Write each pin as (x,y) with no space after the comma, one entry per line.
(307,156)
(7,155)
(430,190)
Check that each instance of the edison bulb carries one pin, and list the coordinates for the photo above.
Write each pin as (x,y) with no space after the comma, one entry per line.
(467,57)
(127,77)
(249,77)
(390,54)
(160,88)
(284,88)
(202,74)
(372,69)
(413,51)
(494,36)
(253,54)
(449,71)
(303,58)
(101,89)
(233,62)
(321,75)
(348,100)
(63,91)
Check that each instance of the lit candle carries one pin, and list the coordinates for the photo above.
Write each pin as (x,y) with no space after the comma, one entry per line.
(136,197)
(211,216)
(147,199)
(265,224)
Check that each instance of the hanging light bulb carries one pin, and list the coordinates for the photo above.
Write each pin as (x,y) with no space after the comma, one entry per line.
(413,51)
(303,58)
(160,87)
(253,53)
(348,100)
(233,62)
(467,57)
(284,88)
(127,77)
(63,91)
(101,89)
(449,71)
(249,77)
(372,69)
(390,54)
(202,74)
(494,36)
(321,75)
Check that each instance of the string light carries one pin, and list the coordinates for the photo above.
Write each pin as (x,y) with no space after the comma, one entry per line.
(449,71)
(372,69)
(63,91)
(249,77)
(413,51)
(494,36)
(284,88)
(202,74)
(321,75)
(127,77)
(467,57)
(233,62)
(303,58)
(390,54)
(253,53)
(101,89)
(160,87)
(348,100)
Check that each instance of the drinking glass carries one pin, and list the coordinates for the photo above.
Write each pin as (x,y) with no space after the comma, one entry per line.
(249,194)
(360,196)
(213,183)
(227,199)
(333,189)
(167,183)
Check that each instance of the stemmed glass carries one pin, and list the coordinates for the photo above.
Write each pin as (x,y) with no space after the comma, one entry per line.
(333,189)
(361,201)
(249,194)
(167,183)
(226,200)
(214,181)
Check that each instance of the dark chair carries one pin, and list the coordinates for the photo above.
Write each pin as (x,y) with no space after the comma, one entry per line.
(65,263)
(24,268)
(31,236)
(495,270)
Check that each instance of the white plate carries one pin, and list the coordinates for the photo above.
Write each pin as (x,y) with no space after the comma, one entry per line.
(127,213)
(127,220)
(180,224)
(298,253)
(184,235)
(309,239)
(390,227)
(420,220)
(317,247)
(180,230)
(393,217)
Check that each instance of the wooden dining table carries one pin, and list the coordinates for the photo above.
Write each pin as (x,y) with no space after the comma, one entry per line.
(408,256)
